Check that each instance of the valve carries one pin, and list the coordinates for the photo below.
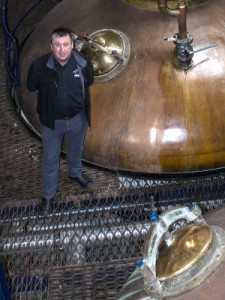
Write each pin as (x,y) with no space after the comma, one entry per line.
(183,51)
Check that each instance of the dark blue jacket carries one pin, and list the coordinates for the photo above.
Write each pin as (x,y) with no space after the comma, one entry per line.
(43,78)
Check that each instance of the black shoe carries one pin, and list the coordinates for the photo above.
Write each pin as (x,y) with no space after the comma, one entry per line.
(46,206)
(83,180)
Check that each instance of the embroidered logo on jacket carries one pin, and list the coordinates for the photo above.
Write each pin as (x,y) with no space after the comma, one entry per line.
(76,73)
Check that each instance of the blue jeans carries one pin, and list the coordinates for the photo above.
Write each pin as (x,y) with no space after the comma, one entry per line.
(74,131)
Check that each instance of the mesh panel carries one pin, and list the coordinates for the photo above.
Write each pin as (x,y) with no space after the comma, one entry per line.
(88,246)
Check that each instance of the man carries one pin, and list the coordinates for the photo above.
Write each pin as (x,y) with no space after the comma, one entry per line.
(61,79)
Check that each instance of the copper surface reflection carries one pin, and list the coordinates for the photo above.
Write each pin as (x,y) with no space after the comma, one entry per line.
(188,245)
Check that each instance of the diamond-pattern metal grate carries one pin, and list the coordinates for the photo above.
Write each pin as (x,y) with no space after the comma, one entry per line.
(87,248)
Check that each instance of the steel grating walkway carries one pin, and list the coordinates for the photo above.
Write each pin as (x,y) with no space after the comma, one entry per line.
(88,247)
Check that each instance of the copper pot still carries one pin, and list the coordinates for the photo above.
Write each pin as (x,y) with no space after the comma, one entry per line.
(157,103)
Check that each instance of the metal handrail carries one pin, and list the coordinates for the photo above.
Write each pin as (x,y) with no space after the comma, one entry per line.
(11,44)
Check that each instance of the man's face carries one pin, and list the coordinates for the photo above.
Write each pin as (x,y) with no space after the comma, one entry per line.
(61,48)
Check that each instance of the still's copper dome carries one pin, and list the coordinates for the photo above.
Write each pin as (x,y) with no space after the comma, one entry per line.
(149,116)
